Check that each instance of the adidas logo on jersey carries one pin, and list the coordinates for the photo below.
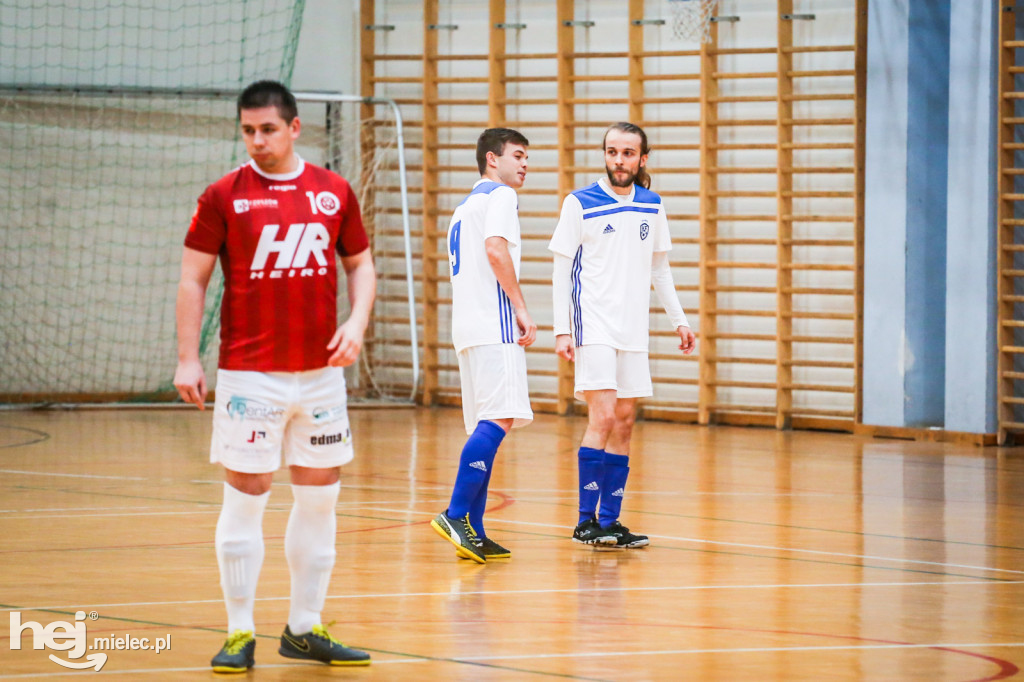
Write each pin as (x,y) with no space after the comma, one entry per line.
(592,486)
(608,229)
(479,464)
(619,493)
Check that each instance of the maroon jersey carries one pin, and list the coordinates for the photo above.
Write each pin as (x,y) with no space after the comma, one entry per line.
(276,236)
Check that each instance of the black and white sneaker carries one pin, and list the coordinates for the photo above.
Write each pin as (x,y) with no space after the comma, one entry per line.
(590,533)
(460,533)
(624,539)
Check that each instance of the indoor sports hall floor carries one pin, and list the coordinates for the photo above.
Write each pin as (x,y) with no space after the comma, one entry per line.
(774,555)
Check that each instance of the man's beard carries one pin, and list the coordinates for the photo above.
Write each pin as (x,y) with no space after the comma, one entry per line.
(630,179)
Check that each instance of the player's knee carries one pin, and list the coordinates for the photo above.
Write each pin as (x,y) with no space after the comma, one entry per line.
(602,421)
(625,420)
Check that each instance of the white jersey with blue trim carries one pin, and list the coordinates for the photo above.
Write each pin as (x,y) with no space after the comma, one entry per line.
(612,240)
(481,312)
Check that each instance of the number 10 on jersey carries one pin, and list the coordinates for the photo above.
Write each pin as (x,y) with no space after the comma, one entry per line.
(453,247)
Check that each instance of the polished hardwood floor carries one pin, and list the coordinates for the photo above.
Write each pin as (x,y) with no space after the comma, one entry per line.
(774,555)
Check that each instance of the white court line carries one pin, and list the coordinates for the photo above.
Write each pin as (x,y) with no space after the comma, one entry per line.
(204,669)
(677,493)
(744,545)
(363,486)
(412,658)
(48,513)
(567,590)
(46,473)
(742,650)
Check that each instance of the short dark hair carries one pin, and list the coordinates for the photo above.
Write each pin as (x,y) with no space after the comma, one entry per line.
(642,177)
(494,140)
(268,93)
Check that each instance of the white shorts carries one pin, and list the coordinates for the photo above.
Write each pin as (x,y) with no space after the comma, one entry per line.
(494,384)
(260,415)
(600,367)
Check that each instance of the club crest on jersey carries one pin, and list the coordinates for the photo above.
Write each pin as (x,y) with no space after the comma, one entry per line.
(645,229)
(327,202)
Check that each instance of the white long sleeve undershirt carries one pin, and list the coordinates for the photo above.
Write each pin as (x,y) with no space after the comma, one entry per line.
(561,291)
(665,288)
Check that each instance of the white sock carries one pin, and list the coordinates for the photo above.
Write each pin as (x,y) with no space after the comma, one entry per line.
(309,545)
(239,543)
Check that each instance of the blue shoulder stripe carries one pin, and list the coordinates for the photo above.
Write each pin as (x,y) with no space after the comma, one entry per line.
(626,208)
(593,196)
(483,188)
(646,196)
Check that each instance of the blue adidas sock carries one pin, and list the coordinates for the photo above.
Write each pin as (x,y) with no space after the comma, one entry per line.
(479,505)
(474,466)
(591,462)
(616,471)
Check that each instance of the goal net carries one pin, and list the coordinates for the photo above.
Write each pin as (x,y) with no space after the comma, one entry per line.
(103,161)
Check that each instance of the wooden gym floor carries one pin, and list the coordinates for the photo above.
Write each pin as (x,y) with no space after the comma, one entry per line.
(774,555)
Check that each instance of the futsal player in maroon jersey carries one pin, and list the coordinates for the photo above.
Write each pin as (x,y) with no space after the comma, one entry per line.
(278,225)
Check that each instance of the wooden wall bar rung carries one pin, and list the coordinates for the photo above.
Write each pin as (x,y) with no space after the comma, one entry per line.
(806,49)
(461,57)
(819,145)
(733,99)
(735,288)
(726,360)
(670,77)
(745,147)
(734,312)
(821,98)
(528,56)
(742,50)
(744,76)
(821,363)
(823,74)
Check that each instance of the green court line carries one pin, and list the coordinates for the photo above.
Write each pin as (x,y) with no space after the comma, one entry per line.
(792,527)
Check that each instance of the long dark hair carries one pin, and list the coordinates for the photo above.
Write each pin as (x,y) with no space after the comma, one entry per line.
(642,177)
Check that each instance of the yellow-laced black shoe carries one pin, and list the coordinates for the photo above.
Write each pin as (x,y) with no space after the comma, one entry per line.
(318,645)
(237,655)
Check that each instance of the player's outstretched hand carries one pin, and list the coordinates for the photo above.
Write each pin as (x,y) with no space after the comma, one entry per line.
(688,341)
(527,327)
(346,344)
(564,347)
(190,380)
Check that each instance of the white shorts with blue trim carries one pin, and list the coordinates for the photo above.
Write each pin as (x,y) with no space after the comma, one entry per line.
(600,367)
(494,384)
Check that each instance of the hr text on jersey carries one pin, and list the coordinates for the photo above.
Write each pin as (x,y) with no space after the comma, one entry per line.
(302,242)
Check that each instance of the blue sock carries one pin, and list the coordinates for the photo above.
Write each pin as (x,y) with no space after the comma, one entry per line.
(474,466)
(479,505)
(591,461)
(616,471)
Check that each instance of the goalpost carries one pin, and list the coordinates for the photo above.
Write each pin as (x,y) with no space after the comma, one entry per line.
(101,183)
